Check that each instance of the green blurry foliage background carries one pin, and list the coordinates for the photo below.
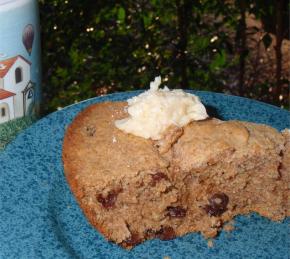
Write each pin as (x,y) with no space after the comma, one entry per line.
(90,48)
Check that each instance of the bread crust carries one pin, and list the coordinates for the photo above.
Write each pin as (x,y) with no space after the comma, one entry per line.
(70,171)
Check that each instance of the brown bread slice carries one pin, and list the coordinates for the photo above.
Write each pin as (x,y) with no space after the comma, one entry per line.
(193,180)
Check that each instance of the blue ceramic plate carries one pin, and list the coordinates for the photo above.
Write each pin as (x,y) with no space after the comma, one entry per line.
(39,217)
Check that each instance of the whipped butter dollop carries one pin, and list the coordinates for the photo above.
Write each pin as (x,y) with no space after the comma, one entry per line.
(154,111)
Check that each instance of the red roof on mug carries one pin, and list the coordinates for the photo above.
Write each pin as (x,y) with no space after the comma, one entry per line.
(6,64)
(5,94)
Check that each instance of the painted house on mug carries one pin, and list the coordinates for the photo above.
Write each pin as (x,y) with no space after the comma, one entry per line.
(16,88)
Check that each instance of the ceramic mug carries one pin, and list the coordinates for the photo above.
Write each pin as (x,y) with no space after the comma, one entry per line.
(20,69)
